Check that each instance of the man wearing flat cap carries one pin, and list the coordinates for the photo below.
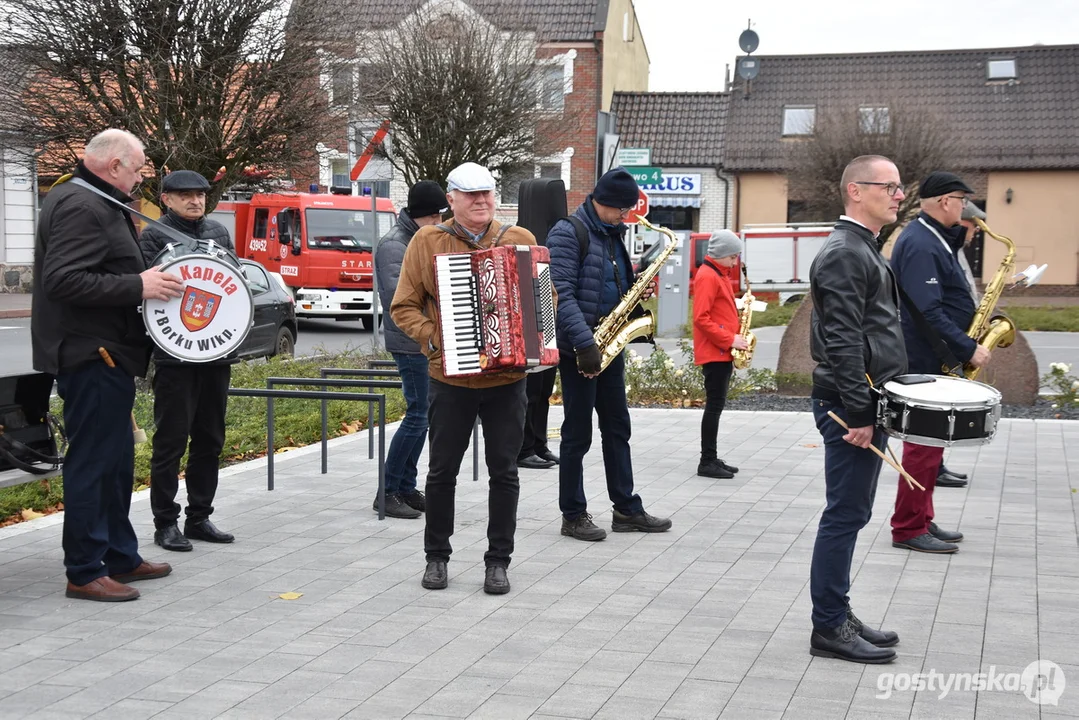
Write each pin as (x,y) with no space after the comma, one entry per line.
(497,399)
(426,203)
(591,271)
(189,398)
(927,267)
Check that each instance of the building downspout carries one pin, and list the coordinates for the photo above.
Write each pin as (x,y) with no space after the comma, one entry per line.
(726,195)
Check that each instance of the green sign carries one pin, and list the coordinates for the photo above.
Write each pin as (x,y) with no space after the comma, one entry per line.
(634,156)
(646,175)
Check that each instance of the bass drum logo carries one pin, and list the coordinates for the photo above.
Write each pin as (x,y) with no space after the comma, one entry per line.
(212,316)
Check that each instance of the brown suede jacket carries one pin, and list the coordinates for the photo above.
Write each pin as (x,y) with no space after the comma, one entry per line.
(415,307)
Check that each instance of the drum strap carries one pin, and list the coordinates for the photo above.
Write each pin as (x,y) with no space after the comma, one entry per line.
(940,348)
(171,232)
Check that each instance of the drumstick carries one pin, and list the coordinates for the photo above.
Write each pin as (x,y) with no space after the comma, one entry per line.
(890,451)
(140,434)
(906,476)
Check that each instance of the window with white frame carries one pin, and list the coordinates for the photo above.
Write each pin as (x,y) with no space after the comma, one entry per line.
(628,23)
(874,120)
(550,171)
(1000,69)
(553,93)
(799,120)
(342,84)
(339,173)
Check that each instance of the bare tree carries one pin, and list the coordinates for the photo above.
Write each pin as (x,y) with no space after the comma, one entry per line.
(459,86)
(204,83)
(915,138)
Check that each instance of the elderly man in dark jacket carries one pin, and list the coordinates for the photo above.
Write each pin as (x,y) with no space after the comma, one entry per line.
(591,271)
(926,265)
(89,279)
(189,398)
(426,203)
(856,340)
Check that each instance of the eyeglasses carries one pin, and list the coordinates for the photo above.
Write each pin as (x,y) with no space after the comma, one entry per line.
(960,198)
(626,211)
(889,187)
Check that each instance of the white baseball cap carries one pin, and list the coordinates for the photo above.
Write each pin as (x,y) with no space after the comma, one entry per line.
(470,177)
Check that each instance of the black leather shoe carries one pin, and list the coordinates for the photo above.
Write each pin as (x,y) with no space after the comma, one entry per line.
(435,576)
(205,530)
(948,536)
(534,462)
(171,539)
(880,638)
(495,580)
(950,481)
(844,643)
(546,454)
(415,500)
(714,469)
(728,468)
(954,474)
(582,528)
(638,522)
(926,543)
(396,507)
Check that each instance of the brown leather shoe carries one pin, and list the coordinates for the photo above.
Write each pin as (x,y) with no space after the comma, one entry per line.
(146,571)
(104,589)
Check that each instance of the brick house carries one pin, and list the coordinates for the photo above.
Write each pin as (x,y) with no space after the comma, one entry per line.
(594,47)
(1013,111)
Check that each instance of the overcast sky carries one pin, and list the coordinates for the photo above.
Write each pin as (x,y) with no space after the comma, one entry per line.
(691,41)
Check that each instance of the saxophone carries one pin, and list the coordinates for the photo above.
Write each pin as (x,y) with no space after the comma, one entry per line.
(986,327)
(616,329)
(744,358)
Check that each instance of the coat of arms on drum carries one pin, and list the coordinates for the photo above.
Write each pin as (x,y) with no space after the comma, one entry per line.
(199,307)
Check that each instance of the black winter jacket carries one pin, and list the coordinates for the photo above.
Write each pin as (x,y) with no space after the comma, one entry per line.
(152,241)
(855,322)
(389,254)
(87,288)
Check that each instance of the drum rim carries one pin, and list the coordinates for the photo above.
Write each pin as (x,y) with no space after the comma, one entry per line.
(237,269)
(930,441)
(894,393)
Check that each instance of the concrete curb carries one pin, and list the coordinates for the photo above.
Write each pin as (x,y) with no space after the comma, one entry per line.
(16,313)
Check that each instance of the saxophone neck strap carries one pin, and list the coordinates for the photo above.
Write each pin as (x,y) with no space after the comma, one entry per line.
(940,348)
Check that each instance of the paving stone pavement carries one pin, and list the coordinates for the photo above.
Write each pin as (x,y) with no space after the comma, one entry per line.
(710,620)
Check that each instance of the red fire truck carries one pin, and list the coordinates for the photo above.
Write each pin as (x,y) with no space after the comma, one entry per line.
(320,245)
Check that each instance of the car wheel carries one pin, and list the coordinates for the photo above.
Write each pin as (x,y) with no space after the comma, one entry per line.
(286,343)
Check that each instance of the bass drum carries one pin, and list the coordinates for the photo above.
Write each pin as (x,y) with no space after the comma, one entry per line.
(215,311)
(939,411)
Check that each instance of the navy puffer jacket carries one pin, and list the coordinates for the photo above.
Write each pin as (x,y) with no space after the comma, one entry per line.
(580,285)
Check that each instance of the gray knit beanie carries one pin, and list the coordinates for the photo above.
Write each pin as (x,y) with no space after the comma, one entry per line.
(724,243)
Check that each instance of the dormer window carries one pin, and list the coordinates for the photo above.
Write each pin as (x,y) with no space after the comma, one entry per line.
(1000,69)
(799,120)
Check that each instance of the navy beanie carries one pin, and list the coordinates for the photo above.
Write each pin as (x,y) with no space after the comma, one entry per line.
(616,189)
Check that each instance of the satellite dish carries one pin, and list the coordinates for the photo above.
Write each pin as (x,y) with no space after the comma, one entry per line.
(748,41)
(748,67)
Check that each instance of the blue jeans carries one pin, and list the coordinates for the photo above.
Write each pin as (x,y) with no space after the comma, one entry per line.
(408,441)
(99,471)
(606,395)
(850,478)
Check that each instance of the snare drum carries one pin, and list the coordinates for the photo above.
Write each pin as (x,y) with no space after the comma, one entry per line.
(942,412)
(212,316)
(194,246)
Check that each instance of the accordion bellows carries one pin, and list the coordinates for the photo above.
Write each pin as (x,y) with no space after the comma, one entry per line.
(497,310)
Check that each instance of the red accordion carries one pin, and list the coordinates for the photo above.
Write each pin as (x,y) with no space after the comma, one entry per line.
(497,310)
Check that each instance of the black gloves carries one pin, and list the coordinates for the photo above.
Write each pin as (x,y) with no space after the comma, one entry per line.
(589,359)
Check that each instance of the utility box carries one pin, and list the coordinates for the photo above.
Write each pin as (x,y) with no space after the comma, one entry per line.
(673,281)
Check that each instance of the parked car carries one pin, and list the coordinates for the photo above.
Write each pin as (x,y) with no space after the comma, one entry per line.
(274,331)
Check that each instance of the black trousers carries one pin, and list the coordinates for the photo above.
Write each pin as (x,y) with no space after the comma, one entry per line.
(717,380)
(99,471)
(189,402)
(451,416)
(538,389)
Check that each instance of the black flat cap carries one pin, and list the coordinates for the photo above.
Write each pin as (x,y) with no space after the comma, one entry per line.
(941,183)
(180,180)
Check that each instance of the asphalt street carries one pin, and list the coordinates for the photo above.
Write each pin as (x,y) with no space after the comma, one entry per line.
(317,336)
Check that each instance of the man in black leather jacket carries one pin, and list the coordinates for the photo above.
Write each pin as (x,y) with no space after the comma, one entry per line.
(855,336)
(189,398)
(426,203)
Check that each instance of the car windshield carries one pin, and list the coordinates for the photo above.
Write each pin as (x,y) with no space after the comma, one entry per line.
(348,230)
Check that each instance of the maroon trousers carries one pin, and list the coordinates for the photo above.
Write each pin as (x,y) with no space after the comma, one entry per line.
(913,507)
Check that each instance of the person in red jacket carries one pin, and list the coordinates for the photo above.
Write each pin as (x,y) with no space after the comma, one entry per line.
(715,334)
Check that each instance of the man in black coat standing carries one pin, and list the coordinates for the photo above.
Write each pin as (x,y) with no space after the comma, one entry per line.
(89,278)
(189,398)
(426,203)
